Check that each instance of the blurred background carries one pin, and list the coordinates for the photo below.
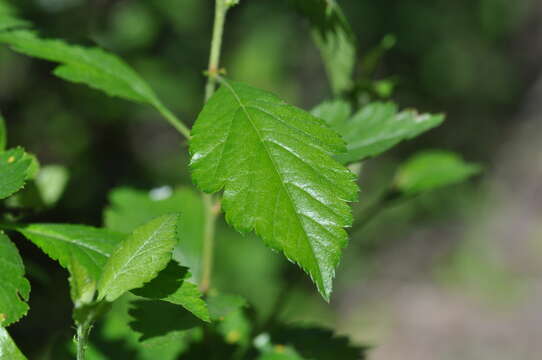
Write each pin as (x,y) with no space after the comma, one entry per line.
(452,274)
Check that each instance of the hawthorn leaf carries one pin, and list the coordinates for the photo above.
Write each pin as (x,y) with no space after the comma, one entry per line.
(375,128)
(15,168)
(139,258)
(88,246)
(3,132)
(8,348)
(87,65)
(15,288)
(274,162)
(433,169)
(172,285)
(129,208)
(334,38)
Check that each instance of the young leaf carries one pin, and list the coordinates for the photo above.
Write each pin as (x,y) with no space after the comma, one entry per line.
(3,133)
(15,166)
(87,245)
(334,38)
(433,169)
(172,285)
(130,208)
(51,182)
(15,288)
(139,258)
(91,66)
(8,348)
(274,162)
(376,128)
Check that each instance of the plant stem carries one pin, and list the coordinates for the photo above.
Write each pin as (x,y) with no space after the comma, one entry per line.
(173,120)
(83,332)
(211,213)
(221,9)
(212,206)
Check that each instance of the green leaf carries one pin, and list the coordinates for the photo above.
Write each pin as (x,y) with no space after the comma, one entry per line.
(8,19)
(87,245)
(375,128)
(91,66)
(172,285)
(15,166)
(3,131)
(139,258)
(15,288)
(275,163)
(158,318)
(51,182)
(130,208)
(431,170)
(8,348)
(334,38)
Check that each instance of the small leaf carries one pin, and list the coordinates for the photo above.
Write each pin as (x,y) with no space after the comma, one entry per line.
(172,285)
(376,128)
(14,170)
(431,170)
(14,288)
(91,66)
(130,208)
(139,258)
(334,38)
(82,285)
(8,348)
(3,131)
(51,182)
(159,318)
(88,245)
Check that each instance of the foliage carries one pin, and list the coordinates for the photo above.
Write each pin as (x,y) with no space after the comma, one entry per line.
(272,168)
(15,287)
(273,161)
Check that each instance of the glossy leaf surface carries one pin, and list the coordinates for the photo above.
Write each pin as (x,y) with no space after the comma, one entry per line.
(274,162)
(139,258)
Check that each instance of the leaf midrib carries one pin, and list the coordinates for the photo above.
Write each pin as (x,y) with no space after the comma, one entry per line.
(275,168)
(137,253)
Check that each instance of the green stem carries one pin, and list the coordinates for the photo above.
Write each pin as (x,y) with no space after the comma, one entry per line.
(221,9)
(83,332)
(212,206)
(173,120)
(211,213)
